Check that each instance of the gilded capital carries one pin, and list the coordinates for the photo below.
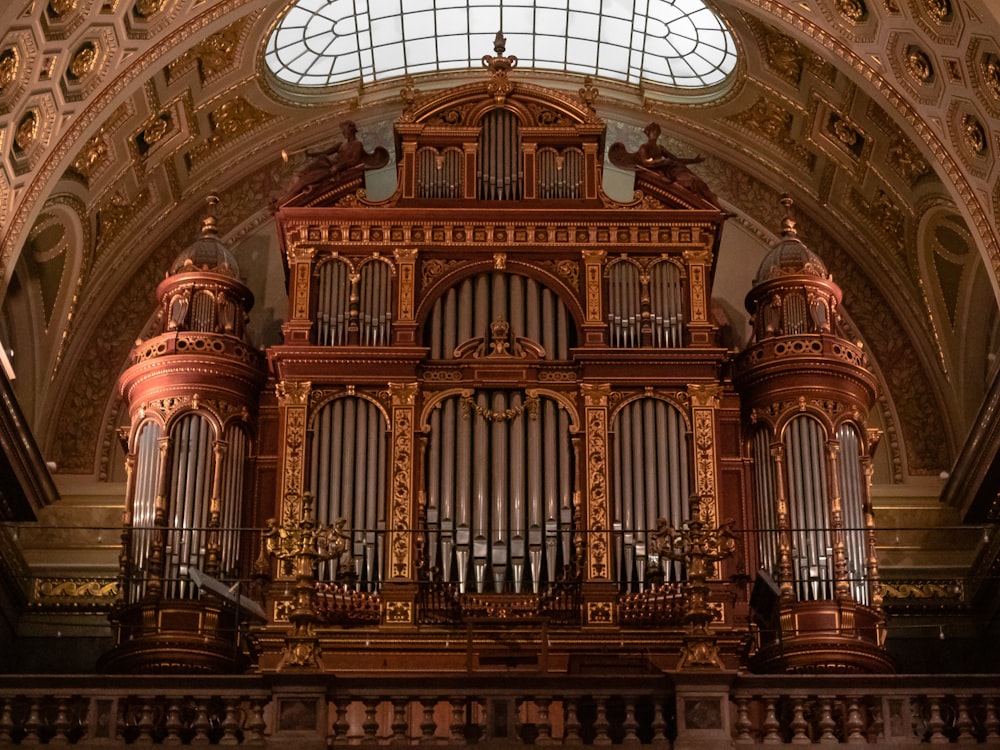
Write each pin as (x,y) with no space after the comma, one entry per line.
(292,393)
(403,394)
(300,253)
(595,394)
(704,395)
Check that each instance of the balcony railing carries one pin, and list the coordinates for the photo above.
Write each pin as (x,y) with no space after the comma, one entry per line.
(308,710)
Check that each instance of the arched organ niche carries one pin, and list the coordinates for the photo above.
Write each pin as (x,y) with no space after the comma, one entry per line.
(650,486)
(347,476)
(191,387)
(353,303)
(807,390)
(645,306)
(511,440)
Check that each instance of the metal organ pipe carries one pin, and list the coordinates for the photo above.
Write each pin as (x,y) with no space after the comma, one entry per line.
(234,472)
(766,500)
(189,503)
(852,504)
(809,509)
(348,460)
(333,304)
(650,482)
(148,467)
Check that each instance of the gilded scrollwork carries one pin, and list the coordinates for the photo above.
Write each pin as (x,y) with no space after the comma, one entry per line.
(402,477)
(597,493)
(784,55)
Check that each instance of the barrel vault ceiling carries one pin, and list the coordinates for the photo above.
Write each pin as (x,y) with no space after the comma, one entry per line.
(880,117)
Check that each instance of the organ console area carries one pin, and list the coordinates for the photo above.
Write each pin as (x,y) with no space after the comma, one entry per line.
(501,432)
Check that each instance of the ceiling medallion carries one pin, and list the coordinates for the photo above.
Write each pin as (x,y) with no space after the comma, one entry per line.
(918,65)
(853,10)
(83,61)
(974,135)
(8,67)
(27,131)
(991,74)
(940,10)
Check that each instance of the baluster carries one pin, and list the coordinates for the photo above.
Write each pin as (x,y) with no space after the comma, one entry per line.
(771,724)
(61,724)
(799,723)
(964,723)
(428,727)
(254,734)
(231,723)
(876,729)
(33,724)
(601,724)
(544,724)
(855,722)
(457,722)
(341,725)
(399,722)
(935,724)
(630,725)
(370,724)
(826,723)
(173,724)
(659,725)
(992,723)
(743,723)
(201,724)
(6,722)
(571,733)
(145,724)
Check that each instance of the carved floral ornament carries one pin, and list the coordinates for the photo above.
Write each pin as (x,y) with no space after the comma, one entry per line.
(27,131)
(852,10)
(939,10)
(918,65)
(60,8)
(9,63)
(991,74)
(974,135)
(84,60)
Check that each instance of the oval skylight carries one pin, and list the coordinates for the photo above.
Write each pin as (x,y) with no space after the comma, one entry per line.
(670,42)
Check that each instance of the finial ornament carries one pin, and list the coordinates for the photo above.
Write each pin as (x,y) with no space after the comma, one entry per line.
(499,65)
(788,220)
(208,226)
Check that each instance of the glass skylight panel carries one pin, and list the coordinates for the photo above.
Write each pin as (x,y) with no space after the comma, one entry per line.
(679,43)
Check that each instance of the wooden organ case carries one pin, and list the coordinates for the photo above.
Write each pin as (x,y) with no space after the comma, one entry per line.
(497,389)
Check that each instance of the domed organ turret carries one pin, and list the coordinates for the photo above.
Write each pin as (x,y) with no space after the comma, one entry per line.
(807,390)
(192,390)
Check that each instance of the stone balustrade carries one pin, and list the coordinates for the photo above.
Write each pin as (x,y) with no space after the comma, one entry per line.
(306,710)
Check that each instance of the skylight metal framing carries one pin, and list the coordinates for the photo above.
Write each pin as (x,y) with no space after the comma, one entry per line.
(677,43)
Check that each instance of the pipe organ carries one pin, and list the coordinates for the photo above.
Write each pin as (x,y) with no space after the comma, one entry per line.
(192,388)
(808,390)
(500,415)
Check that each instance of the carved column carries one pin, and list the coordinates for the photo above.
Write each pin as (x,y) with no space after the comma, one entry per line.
(705,401)
(594,327)
(293,403)
(600,592)
(399,591)
(698,269)
(405,328)
(298,327)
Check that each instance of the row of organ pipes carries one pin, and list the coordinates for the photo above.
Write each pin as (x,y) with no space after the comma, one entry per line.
(809,526)
(440,173)
(372,300)
(500,174)
(625,304)
(195,468)
(499,491)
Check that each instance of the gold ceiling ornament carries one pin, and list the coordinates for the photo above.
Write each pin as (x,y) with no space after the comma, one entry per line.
(918,65)
(84,60)
(784,56)
(148,8)
(60,8)
(991,74)
(852,10)
(10,60)
(974,135)
(27,131)
(939,10)
(904,157)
